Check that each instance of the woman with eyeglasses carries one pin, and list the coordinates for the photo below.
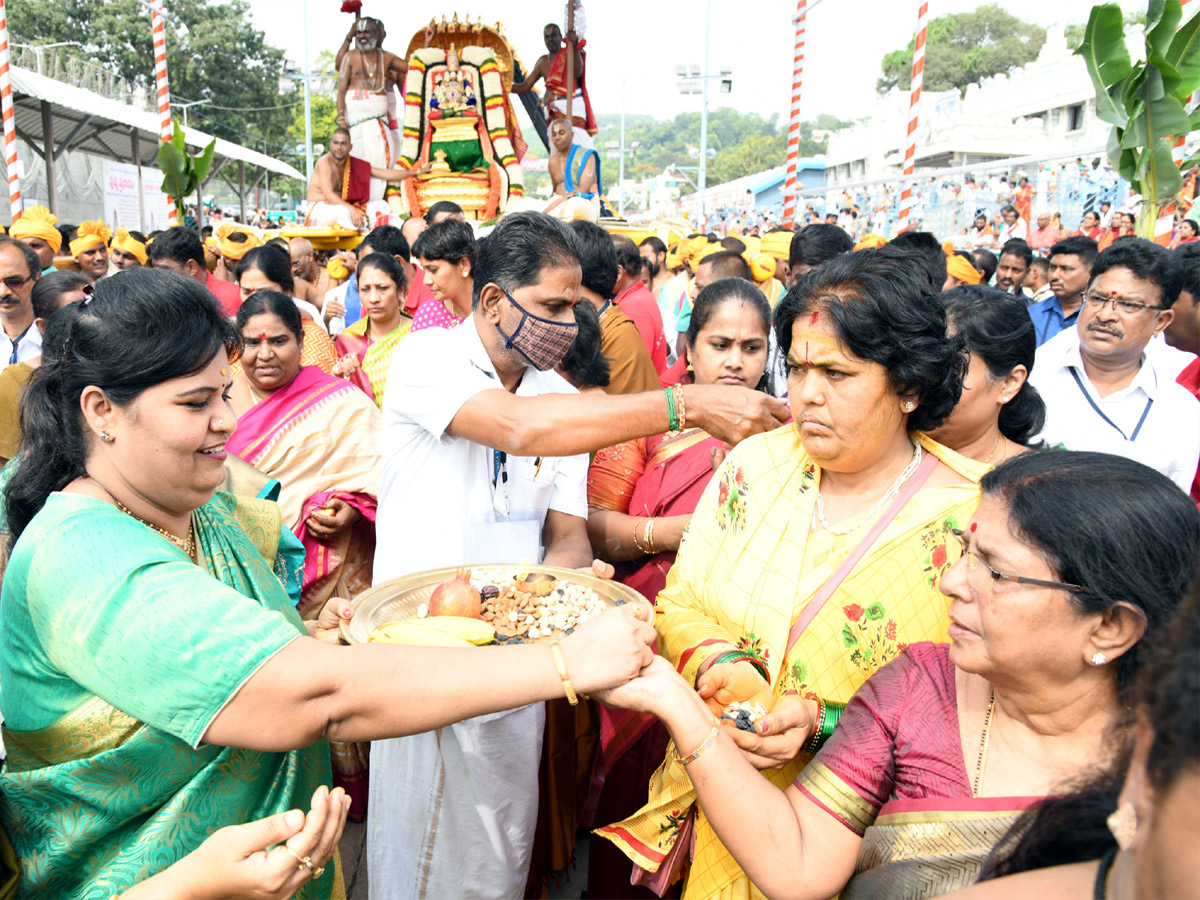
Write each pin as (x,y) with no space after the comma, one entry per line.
(1060,590)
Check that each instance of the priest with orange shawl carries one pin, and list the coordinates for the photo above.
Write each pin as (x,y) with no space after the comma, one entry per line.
(552,67)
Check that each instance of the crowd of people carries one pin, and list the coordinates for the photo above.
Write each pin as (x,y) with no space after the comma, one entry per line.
(925,500)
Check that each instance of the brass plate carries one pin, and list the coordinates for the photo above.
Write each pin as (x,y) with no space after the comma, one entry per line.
(397,600)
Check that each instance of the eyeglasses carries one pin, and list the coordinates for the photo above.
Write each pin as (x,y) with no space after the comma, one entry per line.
(15,282)
(973,563)
(1129,307)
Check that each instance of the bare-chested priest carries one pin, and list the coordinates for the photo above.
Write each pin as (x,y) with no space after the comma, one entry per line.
(339,192)
(365,98)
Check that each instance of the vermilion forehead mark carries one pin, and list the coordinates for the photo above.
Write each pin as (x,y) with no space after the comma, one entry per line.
(974,525)
(815,317)
(262,335)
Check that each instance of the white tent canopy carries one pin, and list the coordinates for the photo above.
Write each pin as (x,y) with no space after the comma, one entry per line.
(53,117)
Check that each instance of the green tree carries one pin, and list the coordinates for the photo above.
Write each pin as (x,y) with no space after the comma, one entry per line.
(324,119)
(963,48)
(213,54)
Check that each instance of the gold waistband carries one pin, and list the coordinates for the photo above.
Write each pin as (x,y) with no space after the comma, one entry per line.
(90,728)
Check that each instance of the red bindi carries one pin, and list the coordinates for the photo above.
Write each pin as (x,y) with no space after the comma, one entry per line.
(262,335)
(815,317)
(974,525)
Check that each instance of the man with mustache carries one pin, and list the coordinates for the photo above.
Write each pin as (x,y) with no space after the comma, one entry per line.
(485,461)
(1104,391)
(1070,271)
(20,269)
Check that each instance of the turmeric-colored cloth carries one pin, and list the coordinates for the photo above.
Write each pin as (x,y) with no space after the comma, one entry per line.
(630,367)
(748,567)
(12,388)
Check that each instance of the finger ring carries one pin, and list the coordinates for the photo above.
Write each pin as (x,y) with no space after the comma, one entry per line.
(318,872)
(305,861)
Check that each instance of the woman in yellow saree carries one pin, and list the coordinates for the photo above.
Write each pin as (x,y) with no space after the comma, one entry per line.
(156,682)
(365,348)
(938,754)
(776,538)
(650,486)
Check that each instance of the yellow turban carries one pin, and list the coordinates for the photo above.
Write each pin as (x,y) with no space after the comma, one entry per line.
(948,247)
(870,242)
(957,267)
(88,235)
(762,266)
(38,222)
(752,243)
(337,268)
(674,260)
(777,244)
(123,240)
(236,249)
(704,250)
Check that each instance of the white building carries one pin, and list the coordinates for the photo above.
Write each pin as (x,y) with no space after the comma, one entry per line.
(1048,106)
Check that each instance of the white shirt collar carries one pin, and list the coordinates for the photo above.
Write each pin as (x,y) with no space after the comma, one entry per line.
(1144,379)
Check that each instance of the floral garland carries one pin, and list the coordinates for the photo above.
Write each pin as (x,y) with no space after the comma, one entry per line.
(417,86)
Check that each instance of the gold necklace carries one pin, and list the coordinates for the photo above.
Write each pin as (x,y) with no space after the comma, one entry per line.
(995,447)
(981,759)
(187,545)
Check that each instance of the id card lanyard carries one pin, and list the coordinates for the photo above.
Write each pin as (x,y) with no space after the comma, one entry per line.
(1100,412)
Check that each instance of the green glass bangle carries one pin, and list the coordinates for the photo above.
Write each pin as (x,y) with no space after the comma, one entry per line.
(731,656)
(672,413)
(831,713)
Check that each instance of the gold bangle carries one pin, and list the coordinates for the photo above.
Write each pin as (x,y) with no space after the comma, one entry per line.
(561,665)
(695,754)
(648,537)
(636,542)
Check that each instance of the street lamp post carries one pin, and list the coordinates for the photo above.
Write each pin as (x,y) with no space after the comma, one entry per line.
(186,106)
(701,219)
(308,154)
(688,85)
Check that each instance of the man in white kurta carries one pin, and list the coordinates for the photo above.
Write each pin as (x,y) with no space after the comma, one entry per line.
(1105,390)
(452,813)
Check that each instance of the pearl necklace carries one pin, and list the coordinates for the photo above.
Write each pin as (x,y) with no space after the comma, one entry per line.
(890,494)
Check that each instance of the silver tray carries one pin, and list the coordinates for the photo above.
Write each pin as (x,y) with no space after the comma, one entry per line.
(397,600)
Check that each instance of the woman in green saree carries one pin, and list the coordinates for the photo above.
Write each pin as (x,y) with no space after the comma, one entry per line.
(156,682)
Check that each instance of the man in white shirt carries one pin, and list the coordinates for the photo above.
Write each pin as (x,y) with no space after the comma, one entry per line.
(485,462)
(20,269)
(1103,390)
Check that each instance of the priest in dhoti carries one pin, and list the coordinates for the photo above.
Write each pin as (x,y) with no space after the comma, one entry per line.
(552,67)
(340,193)
(366,76)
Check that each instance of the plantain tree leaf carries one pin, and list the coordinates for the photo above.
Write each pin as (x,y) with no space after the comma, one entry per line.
(203,162)
(1163,179)
(1124,161)
(1184,56)
(1107,59)
(177,137)
(1162,18)
(173,165)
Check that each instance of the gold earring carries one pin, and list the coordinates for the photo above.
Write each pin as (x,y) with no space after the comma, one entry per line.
(1122,822)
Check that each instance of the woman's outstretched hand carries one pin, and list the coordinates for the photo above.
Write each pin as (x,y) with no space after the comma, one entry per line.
(778,736)
(234,862)
(736,682)
(610,649)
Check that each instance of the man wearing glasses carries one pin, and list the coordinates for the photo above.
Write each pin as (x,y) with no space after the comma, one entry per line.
(1103,390)
(19,272)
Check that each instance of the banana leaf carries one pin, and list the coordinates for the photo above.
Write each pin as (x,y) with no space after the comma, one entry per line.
(1162,18)
(1156,170)
(173,164)
(203,162)
(1161,116)
(1107,59)
(1184,56)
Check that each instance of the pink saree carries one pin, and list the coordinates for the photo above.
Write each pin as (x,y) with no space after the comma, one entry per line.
(320,437)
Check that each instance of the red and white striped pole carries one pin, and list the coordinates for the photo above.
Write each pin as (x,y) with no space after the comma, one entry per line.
(10,125)
(158,23)
(793,141)
(910,149)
